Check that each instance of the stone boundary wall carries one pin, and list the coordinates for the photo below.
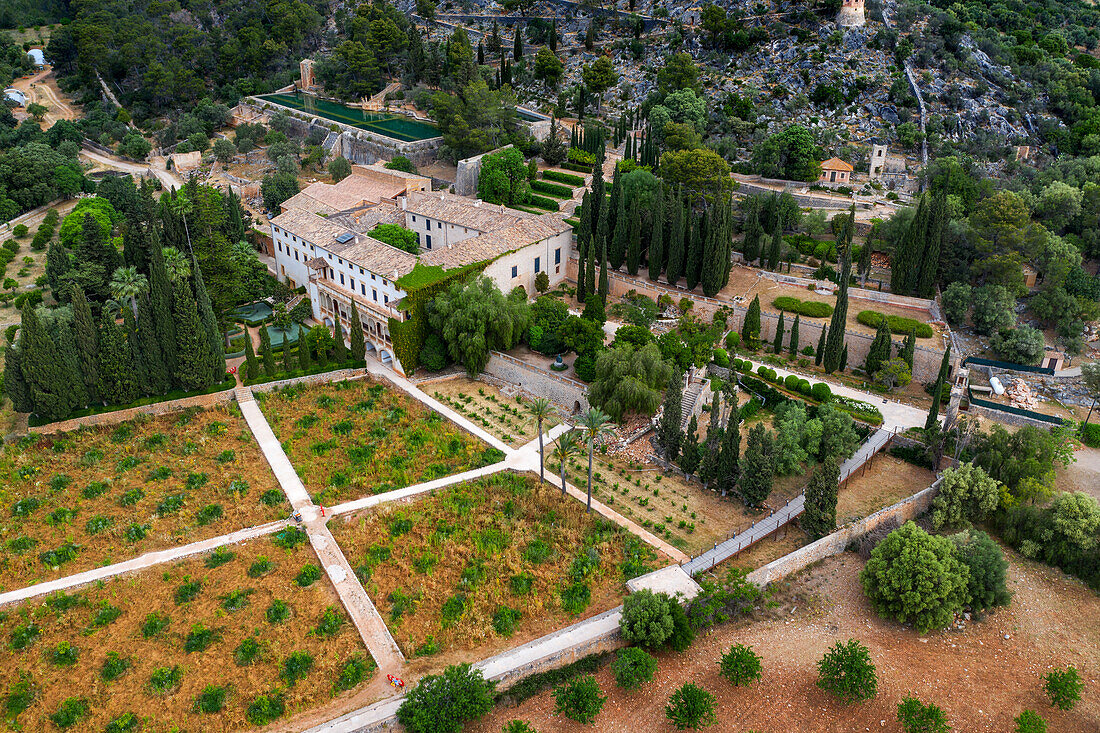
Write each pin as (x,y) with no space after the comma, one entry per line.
(560,390)
(926,359)
(468,171)
(836,543)
(319,378)
(902,301)
(117,416)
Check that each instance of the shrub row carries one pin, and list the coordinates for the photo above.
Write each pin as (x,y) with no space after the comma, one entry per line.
(1090,435)
(576,167)
(541,202)
(552,189)
(808,308)
(581,157)
(898,324)
(566,178)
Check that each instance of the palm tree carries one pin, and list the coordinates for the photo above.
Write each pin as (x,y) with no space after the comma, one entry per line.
(596,423)
(182,206)
(176,264)
(566,449)
(128,283)
(540,409)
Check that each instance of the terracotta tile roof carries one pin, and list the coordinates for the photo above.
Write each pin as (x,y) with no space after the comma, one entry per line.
(379,257)
(836,164)
(464,212)
(496,243)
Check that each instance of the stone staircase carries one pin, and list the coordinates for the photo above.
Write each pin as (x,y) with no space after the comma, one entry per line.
(687,405)
(244,394)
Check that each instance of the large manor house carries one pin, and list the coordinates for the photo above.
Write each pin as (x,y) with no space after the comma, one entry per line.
(322,241)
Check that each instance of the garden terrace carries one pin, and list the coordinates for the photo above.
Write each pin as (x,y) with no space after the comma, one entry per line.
(484,566)
(356,438)
(227,622)
(507,418)
(105,494)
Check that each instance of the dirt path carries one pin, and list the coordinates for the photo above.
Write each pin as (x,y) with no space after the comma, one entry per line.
(169,180)
(42,88)
(981,679)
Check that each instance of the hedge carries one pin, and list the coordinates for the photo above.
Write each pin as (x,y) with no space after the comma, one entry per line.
(541,202)
(808,308)
(229,382)
(821,392)
(552,189)
(576,167)
(721,358)
(315,369)
(898,324)
(1090,435)
(560,177)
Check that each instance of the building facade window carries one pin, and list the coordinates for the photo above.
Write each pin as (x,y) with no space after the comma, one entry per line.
(557,256)
(428,241)
(538,262)
(515,271)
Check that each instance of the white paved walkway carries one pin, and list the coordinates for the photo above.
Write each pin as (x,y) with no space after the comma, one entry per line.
(376,369)
(139,563)
(398,494)
(273,451)
(896,416)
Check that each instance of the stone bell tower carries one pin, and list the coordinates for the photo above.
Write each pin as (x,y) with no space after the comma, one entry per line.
(851,14)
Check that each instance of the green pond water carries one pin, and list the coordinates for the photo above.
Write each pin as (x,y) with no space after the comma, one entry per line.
(397,127)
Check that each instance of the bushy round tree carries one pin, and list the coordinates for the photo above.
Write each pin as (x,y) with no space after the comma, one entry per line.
(740,665)
(443,703)
(988,585)
(966,494)
(633,667)
(647,618)
(1030,721)
(690,707)
(847,671)
(915,577)
(916,717)
(580,699)
(1063,686)
(517,726)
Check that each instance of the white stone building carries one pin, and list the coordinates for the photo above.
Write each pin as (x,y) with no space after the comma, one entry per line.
(322,242)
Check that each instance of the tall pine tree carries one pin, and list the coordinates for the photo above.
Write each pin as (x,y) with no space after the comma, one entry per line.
(162,303)
(729,459)
(192,341)
(776,244)
(86,336)
(215,353)
(116,368)
(694,266)
(340,349)
(158,375)
(879,352)
(777,344)
(937,391)
(304,361)
(757,467)
(634,246)
(358,343)
(819,517)
(616,254)
(750,329)
(794,335)
(656,252)
(266,352)
(925,286)
(54,391)
(838,324)
(676,241)
(251,363)
(908,351)
(669,435)
(819,353)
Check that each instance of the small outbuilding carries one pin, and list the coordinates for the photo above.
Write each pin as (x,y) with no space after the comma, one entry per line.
(836,172)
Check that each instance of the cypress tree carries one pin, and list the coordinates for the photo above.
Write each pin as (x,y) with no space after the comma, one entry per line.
(656,252)
(53,390)
(750,329)
(844,358)
(714,250)
(668,428)
(694,264)
(215,353)
(116,369)
(837,326)
(616,205)
(358,343)
(289,364)
(774,247)
(937,391)
(819,354)
(777,343)
(158,376)
(340,350)
(634,248)
(819,518)
(753,230)
(905,271)
(266,353)
(304,361)
(604,284)
(590,270)
(865,260)
(192,341)
(86,337)
(675,269)
(879,353)
(554,34)
(517,45)
(162,303)
(66,353)
(480,53)
(15,385)
(908,350)
(794,335)
(58,268)
(621,228)
(729,454)
(930,260)
(689,453)
(757,467)
(138,370)
(251,363)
